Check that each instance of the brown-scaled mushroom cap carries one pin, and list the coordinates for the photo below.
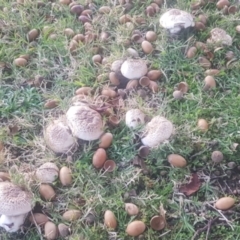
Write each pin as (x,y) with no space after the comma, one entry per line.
(175,20)
(85,123)
(58,136)
(157,131)
(134,118)
(14,200)
(47,172)
(220,37)
(134,68)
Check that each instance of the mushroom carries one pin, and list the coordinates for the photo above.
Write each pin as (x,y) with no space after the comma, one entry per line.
(175,20)
(134,118)
(58,137)
(15,205)
(84,122)
(157,131)
(134,68)
(220,37)
(47,172)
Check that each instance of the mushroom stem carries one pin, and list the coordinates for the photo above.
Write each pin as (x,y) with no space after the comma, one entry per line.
(12,223)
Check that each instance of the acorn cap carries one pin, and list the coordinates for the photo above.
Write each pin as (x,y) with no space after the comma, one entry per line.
(174,20)
(134,68)
(85,123)
(14,200)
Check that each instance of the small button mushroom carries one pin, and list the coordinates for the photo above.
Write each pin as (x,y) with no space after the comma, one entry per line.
(177,94)
(84,122)
(134,118)
(217,156)
(202,124)
(175,20)
(47,172)
(69,32)
(134,68)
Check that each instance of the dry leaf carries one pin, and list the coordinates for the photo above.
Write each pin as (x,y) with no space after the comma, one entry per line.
(191,187)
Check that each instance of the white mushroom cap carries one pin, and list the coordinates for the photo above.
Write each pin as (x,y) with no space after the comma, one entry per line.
(134,118)
(174,20)
(14,200)
(220,37)
(12,223)
(85,123)
(157,131)
(58,137)
(47,173)
(134,68)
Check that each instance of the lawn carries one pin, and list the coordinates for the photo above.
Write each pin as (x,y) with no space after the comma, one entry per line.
(54,66)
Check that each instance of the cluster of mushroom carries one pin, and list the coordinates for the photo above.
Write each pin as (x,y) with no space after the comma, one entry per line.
(80,122)
(136,227)
(133,72)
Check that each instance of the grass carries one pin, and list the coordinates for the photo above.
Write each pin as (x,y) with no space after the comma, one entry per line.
(22,105)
